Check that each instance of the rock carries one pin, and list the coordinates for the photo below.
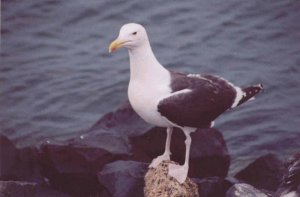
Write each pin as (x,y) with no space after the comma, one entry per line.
(112,131)
(264,173)
(143,148)
(212,186)
(8,158)
(290,184)
(17,188)
(76,161)
(124,121)
(43,191)
(120,135)
(159,184)
(19,164)
(209,155)
(73,169)
(28,167)
(123,178)
(110,142)
(244,190)
(27,189)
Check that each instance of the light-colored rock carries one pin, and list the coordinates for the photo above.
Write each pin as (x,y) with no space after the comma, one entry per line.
(159,184)
(244,190)
(17,188)
(27,189)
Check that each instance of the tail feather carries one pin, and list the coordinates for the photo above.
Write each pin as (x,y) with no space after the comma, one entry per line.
(250,92)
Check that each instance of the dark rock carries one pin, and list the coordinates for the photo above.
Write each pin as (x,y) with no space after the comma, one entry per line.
(149,145)
(209,155)
(28,167)
(8,157)
(123,178)
(73,169)
(264,173)
(124,122)
(213,186)
(244,190)
(113,130)
(77,161)
(44,191)
(291,180)
(16,189)
(110,142)
(19,164)
(26,189)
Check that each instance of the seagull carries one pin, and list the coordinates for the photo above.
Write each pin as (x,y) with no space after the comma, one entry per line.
(171,99)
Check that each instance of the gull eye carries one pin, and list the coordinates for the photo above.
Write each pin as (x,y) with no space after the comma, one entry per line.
(134,33)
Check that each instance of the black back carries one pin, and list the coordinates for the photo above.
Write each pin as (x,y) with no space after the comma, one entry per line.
(210,96)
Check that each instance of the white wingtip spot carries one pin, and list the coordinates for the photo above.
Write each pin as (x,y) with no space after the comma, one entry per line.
(260,86)
(251,99)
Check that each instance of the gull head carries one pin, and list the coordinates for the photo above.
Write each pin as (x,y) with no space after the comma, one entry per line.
(131,36)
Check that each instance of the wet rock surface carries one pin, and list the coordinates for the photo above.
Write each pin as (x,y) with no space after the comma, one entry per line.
(9,154)
(244,190)
(123,122)
(265,172)
(290,182)
(129,175)
(209,154)
(77,161)
(18,164)
(12,188)
(159,184)
(212,186)
(68,166)
(27,189)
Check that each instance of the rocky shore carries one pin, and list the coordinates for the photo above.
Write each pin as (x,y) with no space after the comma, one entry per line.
(111,160)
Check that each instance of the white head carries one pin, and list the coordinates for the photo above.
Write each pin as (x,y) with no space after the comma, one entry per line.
(131,36)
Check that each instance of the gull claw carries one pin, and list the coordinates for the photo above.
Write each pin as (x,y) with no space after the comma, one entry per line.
(178,172)
(155,162)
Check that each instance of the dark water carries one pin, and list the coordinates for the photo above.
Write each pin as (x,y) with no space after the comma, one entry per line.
(57,78)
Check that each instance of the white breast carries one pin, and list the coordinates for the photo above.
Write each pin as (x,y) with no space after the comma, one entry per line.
(144,97)
(149,83)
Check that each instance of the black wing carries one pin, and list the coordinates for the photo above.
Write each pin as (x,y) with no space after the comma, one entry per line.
(209,97)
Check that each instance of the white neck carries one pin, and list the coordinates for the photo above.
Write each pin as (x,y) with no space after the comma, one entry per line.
(143,63)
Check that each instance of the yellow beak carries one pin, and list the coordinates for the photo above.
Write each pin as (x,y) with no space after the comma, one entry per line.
(114,45)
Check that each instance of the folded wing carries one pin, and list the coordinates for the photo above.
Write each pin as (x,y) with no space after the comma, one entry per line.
(205,98)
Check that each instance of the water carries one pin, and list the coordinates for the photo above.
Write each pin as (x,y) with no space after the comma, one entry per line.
(57,77)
